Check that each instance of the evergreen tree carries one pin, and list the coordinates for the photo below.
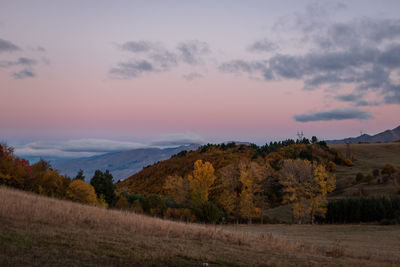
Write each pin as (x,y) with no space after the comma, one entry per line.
(104,186)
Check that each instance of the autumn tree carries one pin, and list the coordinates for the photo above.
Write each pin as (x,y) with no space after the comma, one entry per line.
(246,205)
(227,189)
(53,184)
(82,192)
(305,186)
(201,181)
(389,170)
(14,171)
(176,188)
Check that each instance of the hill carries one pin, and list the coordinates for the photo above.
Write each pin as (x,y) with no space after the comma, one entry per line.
(224,159)
(120,164)
(367,158)
(386,136)
(41,231)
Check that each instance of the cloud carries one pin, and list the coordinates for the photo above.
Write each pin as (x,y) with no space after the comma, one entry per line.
(263,46)
(192,76)
(20,61)
(22,74)
(7,46)
(334,114)
(348,97)
(362,53)
(75,148)
(150,57)
(178,139)
(132,69)
(137,46)
(191,51)
(250,67)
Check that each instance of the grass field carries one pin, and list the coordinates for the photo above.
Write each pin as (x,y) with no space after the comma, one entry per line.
(367,241)
(40,231)
(368,157)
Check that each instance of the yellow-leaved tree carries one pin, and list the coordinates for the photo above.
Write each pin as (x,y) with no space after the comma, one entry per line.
(176,188)
(226,186)
(201,181)
(83,192)
(246,205)
(305,186)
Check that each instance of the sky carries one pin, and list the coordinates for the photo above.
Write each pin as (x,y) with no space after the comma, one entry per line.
(80,78)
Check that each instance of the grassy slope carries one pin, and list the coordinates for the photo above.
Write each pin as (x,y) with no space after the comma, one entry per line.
(35,230)
(368,157)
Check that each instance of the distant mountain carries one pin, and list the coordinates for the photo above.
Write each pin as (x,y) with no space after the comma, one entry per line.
(386,136)
(121,164)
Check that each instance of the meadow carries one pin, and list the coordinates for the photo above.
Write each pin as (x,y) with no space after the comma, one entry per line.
(41,231)
(367,158)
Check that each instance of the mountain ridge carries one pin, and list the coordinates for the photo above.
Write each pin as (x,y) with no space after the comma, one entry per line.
(384,137)
(120,164)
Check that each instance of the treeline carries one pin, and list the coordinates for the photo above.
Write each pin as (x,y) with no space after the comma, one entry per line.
(357,210)
(294,173)
(42,179)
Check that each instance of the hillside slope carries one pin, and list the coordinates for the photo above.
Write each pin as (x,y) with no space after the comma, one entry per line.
(121,164)
(367,158)
(386,136)
(40,231)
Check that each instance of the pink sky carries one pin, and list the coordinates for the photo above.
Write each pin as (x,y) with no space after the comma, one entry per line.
(76,93)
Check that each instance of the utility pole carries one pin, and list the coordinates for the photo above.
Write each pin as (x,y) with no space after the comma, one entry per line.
(348,152)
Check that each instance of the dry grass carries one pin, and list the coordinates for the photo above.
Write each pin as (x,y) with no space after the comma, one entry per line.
(368,157)
(374,242)
(36,230)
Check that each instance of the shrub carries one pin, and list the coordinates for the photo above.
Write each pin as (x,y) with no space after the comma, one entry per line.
(154,205)
(389,169)
(80,191)
(331,166)
(122,203)
(348,162)
(368,178)
(359,177)
(208,212)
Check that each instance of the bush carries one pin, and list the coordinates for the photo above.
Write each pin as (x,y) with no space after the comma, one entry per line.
(208,212)
(154,205)
(82,192)
(388,169)
(359,177)
(331,166)
(348,162)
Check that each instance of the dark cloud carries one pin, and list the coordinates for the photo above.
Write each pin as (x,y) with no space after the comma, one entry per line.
(137,46)
(348,97)
(366,68)
(155,57)
(191,51)
(392,94)
(334,114)
(131,69)
(363,53)
(22,74)
(165,60)
(7,46)
(263,46)
(21,61)
(250,67)
(192,76)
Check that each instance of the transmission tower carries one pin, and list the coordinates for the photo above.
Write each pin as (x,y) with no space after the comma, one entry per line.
(300,135)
